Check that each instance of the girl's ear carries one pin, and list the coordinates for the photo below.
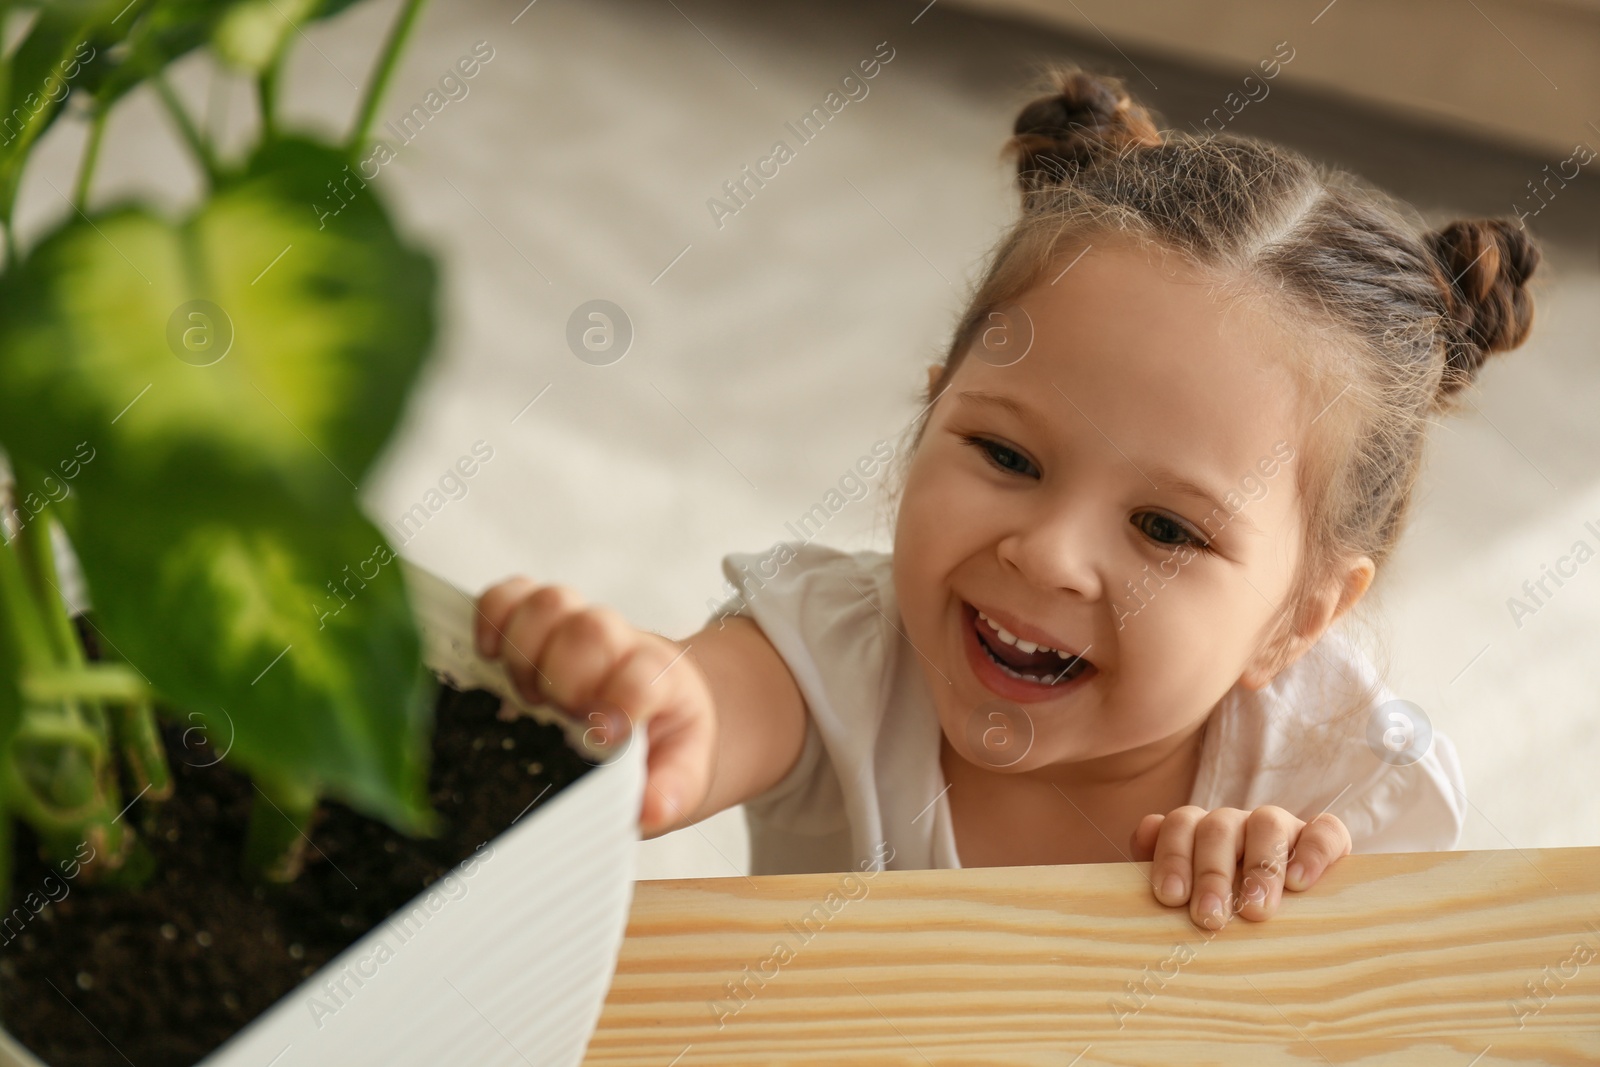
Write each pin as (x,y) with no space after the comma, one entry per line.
(1335,597)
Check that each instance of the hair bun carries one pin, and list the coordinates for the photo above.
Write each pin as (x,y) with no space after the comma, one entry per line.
(1087,117)
(1486,264)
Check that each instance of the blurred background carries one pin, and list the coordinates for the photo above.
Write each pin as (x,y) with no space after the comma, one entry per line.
(771,346)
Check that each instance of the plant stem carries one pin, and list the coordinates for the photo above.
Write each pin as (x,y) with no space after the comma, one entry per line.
(30,644)
(91,155)
(63,697)
(87,685)
(280,818)
(142,751)
(214,121)
(267,92)
(63,705)
(37,550)
(132,717)
(381,74)
(95,681)
(186,126)
(56,730)
(61,838)
(267,101)
(55,725)
(25,645)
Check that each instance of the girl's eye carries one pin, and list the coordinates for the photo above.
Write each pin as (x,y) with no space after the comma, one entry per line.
(1007,459)
(1165,530)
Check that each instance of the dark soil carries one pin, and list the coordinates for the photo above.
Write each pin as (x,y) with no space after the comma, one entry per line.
(161,975)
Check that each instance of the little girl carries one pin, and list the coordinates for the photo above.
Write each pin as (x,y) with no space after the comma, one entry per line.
(1173,439)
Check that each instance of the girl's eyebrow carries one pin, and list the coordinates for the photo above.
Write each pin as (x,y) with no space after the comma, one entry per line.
(1162,477)
(998,400)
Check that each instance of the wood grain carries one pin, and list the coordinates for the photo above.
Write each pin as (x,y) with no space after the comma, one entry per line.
(1425,958)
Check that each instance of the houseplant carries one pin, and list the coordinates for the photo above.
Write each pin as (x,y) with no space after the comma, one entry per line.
(190,404)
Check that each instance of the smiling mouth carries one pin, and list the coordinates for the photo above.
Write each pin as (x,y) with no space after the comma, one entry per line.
(1025,660)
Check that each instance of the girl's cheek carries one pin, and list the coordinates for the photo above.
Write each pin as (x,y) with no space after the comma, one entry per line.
(1168,630)
(1190,643)
(941,506)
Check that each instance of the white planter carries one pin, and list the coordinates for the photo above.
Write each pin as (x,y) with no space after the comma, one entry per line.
(504,961)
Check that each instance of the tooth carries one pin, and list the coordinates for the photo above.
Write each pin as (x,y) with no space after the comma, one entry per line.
(1010,638)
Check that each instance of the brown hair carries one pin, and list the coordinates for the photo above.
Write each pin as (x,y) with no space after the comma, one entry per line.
(1398,318)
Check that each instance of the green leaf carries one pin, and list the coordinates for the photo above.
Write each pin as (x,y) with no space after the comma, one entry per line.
(158,32)
(290,638)
(317,326)
(141,42)
(54,57)
(106,48)
(218,503)
(249,36)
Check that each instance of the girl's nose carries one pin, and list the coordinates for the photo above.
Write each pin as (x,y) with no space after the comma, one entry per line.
(1059,548)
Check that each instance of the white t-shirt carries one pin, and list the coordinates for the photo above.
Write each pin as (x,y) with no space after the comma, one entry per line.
(869,773)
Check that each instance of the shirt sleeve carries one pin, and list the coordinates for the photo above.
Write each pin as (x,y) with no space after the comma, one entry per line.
(1301,744)
(1418,807)
(1394,806)
(819,608)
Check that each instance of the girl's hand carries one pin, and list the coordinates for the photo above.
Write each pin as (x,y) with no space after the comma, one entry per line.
(1200,856)
(591,663)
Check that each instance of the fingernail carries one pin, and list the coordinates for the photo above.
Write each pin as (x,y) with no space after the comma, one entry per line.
(1256,894)
(1211,910)
(1297,873)
(1172,888)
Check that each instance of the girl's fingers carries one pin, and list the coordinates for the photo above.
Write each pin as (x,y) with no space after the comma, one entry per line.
(529,631)
(613,678)
(1171,872)
(1143,841)
(682,747)
(1324,840)
(1218,844)
(494,611)
(522,626)
(679,771)
(637,689)
(1267,834)
(582,650)
(522,638)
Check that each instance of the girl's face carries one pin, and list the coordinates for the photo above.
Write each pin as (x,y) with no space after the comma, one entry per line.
(1124,491)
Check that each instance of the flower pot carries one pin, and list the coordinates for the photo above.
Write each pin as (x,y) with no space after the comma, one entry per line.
(506,959)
